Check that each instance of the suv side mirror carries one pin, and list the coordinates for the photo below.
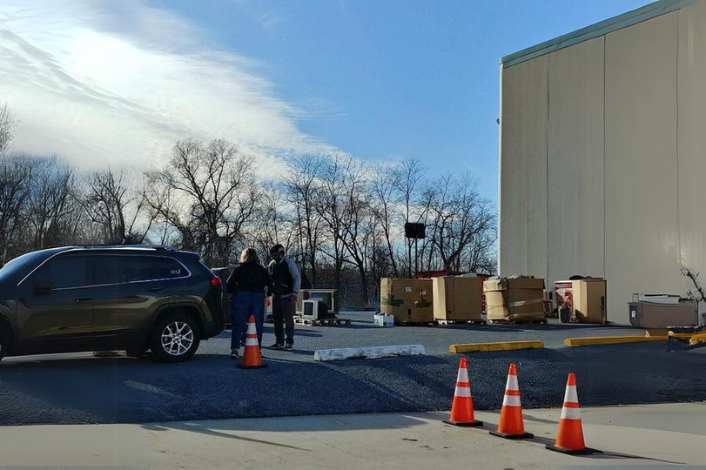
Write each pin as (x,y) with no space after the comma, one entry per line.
(43,286)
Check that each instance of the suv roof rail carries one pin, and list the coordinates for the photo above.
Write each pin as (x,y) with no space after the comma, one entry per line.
(125,247)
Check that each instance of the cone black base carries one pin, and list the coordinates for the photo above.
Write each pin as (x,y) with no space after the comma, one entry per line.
(262,366)
(512,436)
(463,425)
(586,451)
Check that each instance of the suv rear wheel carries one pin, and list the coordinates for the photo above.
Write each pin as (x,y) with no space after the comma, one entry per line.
(175,338)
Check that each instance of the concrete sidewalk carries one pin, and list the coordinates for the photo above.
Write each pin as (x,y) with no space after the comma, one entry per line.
(650,436)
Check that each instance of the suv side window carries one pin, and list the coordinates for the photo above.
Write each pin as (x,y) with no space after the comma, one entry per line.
(167,268)
(119,269)
(114,269)
(64,272)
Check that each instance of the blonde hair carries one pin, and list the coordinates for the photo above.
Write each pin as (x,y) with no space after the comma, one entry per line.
(249,255)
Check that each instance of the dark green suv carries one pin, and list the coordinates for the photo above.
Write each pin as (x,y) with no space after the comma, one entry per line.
(107,298)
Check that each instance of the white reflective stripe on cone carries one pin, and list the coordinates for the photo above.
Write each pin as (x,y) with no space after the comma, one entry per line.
(462,375)
(571,395)
(511,400)
(463,392)
(252,330)
(570,413)
(251,342)
(512,383)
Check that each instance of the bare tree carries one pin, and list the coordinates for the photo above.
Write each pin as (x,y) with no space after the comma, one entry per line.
(302,184)
(460,220)
(406,181)
(7,129)
(272,222)
(383,208)
(331,204)
(15,174)
(208,193)
(50,201)
(356,219)
(113,203)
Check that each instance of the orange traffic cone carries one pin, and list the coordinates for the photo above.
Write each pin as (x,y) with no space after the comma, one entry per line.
(511,425)
(462,407)
(252,358)
(569,440)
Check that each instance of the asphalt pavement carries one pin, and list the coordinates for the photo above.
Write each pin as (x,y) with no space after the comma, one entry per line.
(80,388)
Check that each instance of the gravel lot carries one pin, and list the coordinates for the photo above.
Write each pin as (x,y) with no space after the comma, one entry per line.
(79,388)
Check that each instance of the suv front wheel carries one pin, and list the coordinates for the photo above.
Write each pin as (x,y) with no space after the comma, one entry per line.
(175,338)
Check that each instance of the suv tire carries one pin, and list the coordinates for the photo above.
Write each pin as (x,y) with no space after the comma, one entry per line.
(175,338)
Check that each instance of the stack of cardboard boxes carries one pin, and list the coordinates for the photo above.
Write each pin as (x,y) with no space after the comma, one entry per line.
(458,299)
(446,298)
(515,299)
(408,300)
(585,299)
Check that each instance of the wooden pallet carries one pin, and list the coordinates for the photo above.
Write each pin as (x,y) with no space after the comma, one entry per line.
(322,322)
(517,322)
(461,322)
(416,323)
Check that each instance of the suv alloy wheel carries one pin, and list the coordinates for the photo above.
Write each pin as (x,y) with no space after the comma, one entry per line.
(175,338)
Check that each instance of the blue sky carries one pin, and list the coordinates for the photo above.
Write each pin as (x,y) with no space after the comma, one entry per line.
(376,79)
(396,77)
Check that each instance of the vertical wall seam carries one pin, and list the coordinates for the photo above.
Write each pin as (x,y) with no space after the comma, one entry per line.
(500,169)
(546,151)
(678,215)
(605,89)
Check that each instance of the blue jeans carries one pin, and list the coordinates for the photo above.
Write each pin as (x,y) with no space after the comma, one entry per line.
(243,305)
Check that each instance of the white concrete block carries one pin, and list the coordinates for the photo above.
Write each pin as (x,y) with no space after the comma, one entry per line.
(372,352)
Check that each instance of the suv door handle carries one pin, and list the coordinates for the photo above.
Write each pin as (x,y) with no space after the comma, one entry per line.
(83,300)
(155,289)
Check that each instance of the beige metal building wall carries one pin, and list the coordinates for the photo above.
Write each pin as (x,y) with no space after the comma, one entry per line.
(641,160)
(691,138)
(624,158)
(576,184)
(523,166)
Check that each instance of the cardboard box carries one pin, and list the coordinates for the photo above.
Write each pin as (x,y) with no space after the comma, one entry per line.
(660,315)
(589,300)
(408,300)
(457,298)
(382,319)
(520,299)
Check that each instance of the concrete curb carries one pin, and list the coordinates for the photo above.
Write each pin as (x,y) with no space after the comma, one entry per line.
(374,352)
(599,340)
(499,346)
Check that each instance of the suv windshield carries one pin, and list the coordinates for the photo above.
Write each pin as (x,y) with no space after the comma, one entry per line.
(20,264)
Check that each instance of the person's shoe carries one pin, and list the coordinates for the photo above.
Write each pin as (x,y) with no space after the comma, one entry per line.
(289,346)
(234,355)
(276,346)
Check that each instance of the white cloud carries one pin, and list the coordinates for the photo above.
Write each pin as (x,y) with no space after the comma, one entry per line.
(119,82)
(269,21)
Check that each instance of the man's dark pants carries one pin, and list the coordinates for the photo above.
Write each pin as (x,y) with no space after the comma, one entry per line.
(283,311)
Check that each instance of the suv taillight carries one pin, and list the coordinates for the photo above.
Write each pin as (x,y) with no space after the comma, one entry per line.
(216,281)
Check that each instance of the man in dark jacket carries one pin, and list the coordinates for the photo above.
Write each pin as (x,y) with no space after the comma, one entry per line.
(287,281)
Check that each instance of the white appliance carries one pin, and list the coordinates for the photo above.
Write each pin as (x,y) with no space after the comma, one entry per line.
(310,310)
